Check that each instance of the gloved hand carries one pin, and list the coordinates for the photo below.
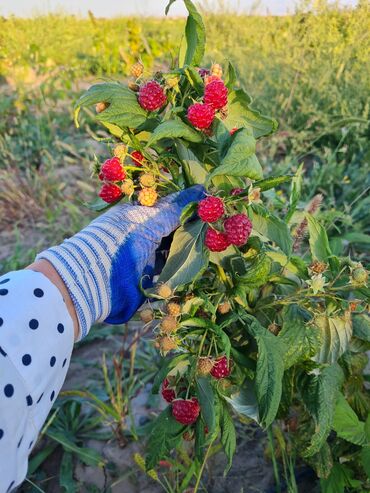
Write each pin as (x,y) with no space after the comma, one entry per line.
(103,264)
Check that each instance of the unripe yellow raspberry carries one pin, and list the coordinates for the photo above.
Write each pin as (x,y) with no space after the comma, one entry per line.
(127,187)
(359,275)
(120,151)
(164,291)
(216,70)
(137,70)
(204,366)
(167,343)
(224,307)
(168,324)
(147,180)
(147,197)
(318,267)
(146,315)
(173,309)
(100,107)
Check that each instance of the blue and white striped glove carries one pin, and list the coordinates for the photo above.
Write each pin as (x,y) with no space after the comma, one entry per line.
(103,264)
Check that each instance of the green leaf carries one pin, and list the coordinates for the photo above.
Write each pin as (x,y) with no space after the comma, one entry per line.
(255,273)
(295,192)
(365,459)
(230,76)
(90,457)
(242,115)
(187,257)
(169,6)
(40,457)
(302,341)
(322,461)
(336,333)
(319,242)
(269,371)
(206,399)
(228,435)
(272,182)
(240,159)
(172,129)
(167,365)
(123,110)
(319,393)
(195,36)
(188,212)
(165,435)
(66,480)
(340,478)
(361,326)
(98,205)
(201,441)
(245,401)
(193,169)
(346,423)
(271,227)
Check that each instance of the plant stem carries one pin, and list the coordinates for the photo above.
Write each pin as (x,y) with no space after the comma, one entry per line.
(196,487)
(273,458)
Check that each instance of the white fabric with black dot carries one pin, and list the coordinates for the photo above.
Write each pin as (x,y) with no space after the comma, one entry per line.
(36,341)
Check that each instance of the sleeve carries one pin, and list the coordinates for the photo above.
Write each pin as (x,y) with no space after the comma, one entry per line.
(36,341)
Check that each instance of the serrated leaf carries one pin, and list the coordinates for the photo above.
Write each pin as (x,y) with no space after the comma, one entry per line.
(302,340)
(319,242)
(200,440)
(206,397)
(230,76)
(272,182)
(240,159)
(187,257)
(188,212)
(346,423)
(123,110)
(172,129)
(322,461)
(319,393)
(228,435)
(245,401)
(242,115)
(361,326)
(269,370)
(66,480)
(336,333)
(166,433)
(195,36)
(271,227)
(193,169)
(256,274)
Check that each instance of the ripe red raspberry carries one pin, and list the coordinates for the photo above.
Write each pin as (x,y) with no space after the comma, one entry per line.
(152,96)
(238,228)
(221,368)
(186,411)
(215,94)
(201,115)
(137,158)
(101,176)
(112,170)
(168,394)
(110,193)
(211,209)
(216,241)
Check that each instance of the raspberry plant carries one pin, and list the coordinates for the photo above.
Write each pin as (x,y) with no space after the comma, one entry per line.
(250,318)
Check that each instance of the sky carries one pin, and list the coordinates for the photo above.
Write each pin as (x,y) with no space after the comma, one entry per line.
(109,8)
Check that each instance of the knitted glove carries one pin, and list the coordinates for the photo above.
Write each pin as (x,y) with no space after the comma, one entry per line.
(103,264)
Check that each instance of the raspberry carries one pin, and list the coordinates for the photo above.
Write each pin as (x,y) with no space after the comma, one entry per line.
(152,96)
(238,228)
(110,193)
(127,187)
(146,315)
(164,291)
(211,209)
(100,107)
(224,307)
(359,275)
(233,130)
(147,180)
(168,324)
(210,78)
(137,158)
(173,309)
(215,94)
(216,70)
(216,241)
(186,411)
(221,368)
(101,176)
(120,151)
(168,394)
(167,343)
(201,115)
(147,197)
(204,366)
(112,170)
(318,267)
(137,70)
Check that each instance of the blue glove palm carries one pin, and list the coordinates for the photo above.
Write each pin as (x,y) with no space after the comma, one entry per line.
(103,264)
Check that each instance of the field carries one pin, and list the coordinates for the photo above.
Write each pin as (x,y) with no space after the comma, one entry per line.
(311,71)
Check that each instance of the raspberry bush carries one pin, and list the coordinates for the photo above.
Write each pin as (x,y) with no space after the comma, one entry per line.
(254,314)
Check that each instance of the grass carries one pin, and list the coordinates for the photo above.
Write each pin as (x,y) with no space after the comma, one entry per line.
(311,71)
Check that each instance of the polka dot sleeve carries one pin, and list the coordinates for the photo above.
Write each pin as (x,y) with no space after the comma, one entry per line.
(36,340)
